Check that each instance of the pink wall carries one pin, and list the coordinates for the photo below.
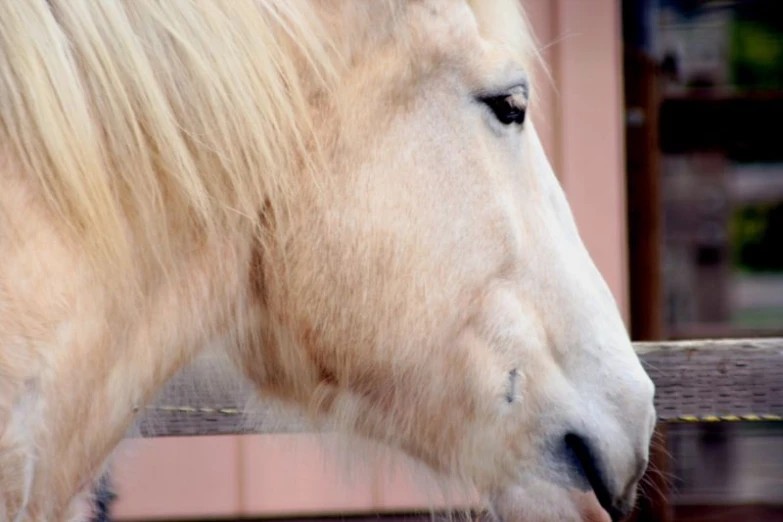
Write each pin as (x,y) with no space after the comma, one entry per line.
(592,157)
(580,122)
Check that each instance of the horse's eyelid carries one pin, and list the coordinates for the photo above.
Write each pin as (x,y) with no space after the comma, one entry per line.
(522,85)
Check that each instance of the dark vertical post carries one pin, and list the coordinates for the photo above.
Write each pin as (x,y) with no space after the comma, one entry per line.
(104,496)
(642,101)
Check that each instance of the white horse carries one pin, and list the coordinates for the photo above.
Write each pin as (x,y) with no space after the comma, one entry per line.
(348,197)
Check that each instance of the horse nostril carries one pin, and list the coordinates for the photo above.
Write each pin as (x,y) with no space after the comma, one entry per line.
(588,467)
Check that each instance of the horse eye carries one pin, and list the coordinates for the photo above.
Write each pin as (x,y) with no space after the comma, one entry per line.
(507,108)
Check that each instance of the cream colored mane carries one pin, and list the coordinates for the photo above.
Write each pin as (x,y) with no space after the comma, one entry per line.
(147,126)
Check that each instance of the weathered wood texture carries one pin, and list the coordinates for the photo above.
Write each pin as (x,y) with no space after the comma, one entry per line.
(730,380)
(723,378)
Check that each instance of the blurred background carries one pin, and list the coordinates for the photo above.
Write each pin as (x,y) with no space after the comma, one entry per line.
(704,101)
(703,83)
(664,122)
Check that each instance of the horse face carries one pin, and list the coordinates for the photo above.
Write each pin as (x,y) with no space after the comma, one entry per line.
(438,290)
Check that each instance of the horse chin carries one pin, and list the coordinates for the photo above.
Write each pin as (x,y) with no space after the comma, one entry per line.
(543,501)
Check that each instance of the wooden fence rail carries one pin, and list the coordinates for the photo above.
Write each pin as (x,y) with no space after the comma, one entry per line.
(696,381)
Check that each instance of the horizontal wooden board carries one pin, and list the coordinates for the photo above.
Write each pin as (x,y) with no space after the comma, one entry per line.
(733,380)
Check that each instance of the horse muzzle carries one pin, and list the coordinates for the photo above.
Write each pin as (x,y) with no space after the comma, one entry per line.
(588,473)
